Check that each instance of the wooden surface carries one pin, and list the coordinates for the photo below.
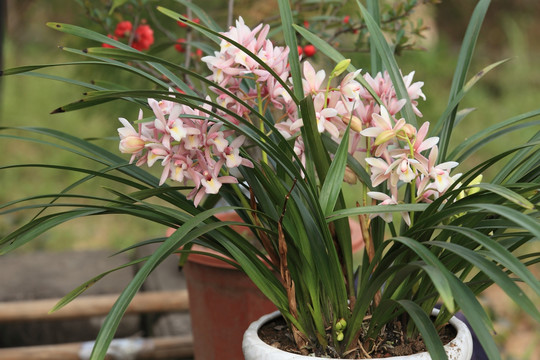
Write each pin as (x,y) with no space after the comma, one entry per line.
(152,348)
(88,306)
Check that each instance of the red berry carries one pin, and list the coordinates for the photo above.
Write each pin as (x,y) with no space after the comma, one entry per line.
(123,28)
(179,46)
(306,23)
(144,37)
(346,19)
(309,50)
(300,50)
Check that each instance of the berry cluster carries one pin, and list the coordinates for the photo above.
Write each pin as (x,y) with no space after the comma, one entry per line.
(140,39)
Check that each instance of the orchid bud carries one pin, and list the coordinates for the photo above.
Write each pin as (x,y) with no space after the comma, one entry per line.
(340,68)
(350,177)
(410,130)
(384,137)
(356,123)
(131,144)
(339,336)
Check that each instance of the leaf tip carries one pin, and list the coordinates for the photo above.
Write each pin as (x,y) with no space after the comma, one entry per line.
(58,111)
(54,25)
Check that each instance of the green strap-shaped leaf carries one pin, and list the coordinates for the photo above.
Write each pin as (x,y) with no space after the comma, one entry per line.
(176,240)
(335,56)
(389,63)
(495,273)
(506,193)
(497,251)
(376,60)
(439,273)
(73,294)
(92,35)
(427,329)
(290,39)
(462,67)
(312,139)
(456,99)
(201,14)
(331,187)
(375,209)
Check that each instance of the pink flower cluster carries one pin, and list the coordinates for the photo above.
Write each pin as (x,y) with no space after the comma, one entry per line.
(192,147)
(231,66)
(187,143)
(397,148)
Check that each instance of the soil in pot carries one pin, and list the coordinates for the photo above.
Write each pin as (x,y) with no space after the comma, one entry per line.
(391,343)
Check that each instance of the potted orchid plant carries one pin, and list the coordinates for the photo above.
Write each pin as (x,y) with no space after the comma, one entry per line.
(275,139)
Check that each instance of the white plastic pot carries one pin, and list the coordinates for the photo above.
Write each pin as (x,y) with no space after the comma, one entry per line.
(254,348)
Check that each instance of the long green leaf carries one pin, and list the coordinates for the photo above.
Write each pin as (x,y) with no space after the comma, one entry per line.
(335,56)
(73,294)
(498,276)
(290,39)
(476,316)
(176,240)
(376,60)
(427,329)
(210,33)
(331,187)
(462,67)
(438,274)
(376,209)
(497,251)
(201,14)
(491,129)
(506,193)
(92,35)
(389,63)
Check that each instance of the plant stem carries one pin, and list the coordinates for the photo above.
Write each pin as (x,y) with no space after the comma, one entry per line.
(261,123)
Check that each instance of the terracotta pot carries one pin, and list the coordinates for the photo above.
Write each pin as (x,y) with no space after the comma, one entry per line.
(254,348)
(222,303)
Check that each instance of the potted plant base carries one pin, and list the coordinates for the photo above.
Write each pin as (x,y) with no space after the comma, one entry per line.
(223,301)
(459,348)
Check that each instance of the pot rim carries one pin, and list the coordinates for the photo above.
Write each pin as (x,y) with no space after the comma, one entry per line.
(460,348)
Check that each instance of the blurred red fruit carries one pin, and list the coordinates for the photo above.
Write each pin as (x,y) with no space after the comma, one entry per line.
(180,45)
(144,37)
(123,28)
(309,50)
